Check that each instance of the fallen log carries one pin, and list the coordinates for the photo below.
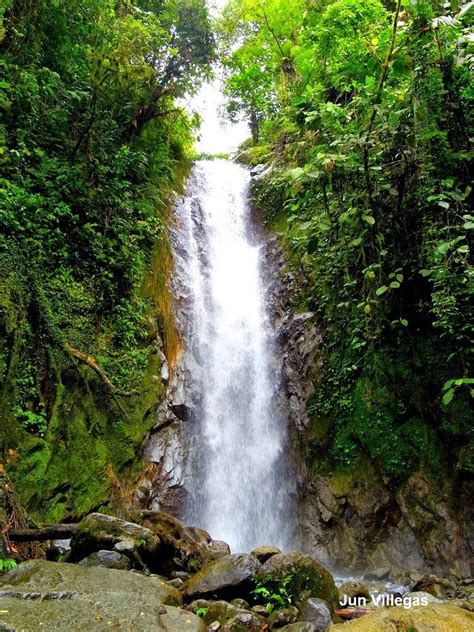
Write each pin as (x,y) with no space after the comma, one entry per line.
(47,532)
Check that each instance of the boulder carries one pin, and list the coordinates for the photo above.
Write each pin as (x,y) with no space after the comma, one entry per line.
(176,583)
(309,577)
(434,617)
(245,622)
(353,589)
(218,548)
(316,612)
(264,553)
(107,559)
(98,532)
(162,544)
(77,615)
(240,603)
(425,596)
(439,587)
(285,616)
(227,577)
(185,547)
(58,549)
(211,611)
(65,597)
(260,610)
(49,578)
(299,626)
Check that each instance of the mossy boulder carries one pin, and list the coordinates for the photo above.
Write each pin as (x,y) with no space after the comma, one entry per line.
(186,547)
(245,622)
(54,580)
(101,532)
(309,578)
(434,617)
(282,617)
(68,597)
(211,611)
(227,577)
(76,615)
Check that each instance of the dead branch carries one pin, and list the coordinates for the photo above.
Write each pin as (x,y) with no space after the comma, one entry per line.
(47,532)
(95,366)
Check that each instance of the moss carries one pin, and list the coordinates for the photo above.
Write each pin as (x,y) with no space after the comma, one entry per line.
(304,577)
(92,442)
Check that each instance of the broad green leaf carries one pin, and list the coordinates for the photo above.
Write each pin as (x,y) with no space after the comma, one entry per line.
(448,396)
(381,290)
(369,219)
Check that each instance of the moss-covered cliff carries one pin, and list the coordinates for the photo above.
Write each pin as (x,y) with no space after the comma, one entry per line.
(91,146)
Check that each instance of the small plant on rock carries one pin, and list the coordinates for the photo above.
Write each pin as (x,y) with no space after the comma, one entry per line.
(6,564)
(274,593)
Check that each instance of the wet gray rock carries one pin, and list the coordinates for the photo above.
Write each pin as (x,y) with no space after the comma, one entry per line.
(316,612)
(96,582)
(219,548)
(107,559)
(57,549)
(282,617)
(299,627)
(228,576)
(244,622)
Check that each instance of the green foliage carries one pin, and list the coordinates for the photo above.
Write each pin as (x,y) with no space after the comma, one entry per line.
(273,592)
(6,564)
(201,612)
(194,564)
(366,122)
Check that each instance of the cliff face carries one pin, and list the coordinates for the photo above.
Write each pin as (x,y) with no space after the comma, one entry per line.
(357,518)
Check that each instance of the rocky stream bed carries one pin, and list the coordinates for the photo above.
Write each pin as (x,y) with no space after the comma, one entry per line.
(158,574)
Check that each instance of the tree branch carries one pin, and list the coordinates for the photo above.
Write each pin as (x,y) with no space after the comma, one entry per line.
(378,95)
(95,366)
(272,32)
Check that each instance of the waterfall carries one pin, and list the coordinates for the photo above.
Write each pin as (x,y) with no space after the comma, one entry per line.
(238,446)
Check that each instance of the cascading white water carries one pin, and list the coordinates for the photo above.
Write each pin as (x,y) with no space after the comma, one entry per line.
(237,456)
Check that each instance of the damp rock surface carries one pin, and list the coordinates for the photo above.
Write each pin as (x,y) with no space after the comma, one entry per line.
(66,597)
